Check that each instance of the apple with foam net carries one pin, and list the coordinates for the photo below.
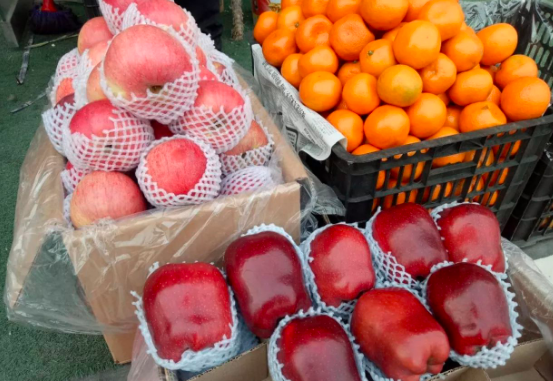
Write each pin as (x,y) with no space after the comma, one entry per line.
(64,89)
(94,91)
(93,31)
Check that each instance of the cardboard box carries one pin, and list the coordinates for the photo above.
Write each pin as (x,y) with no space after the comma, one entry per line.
(530,361)
(110,260)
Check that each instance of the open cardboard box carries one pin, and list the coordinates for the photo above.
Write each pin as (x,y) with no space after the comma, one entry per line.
(531,361)
(110,260)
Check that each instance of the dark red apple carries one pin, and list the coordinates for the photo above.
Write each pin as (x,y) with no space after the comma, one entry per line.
(471,305)
(316,348)
(255,138)
(471,231)
(398,334)
(265,273)
(410,234)
(160,130)
(187,306)
(342,264)
(67,100)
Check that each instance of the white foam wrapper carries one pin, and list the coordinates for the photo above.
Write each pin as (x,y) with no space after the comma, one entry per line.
(171,101)
(68,63)
(119,150)
(112,15)
(199,361)
(228,75)
(67,209)
(255,157)
(79,83)
(501,352)
(205,190)
(250,179)
(71,177)
(275,367)
(219,129)
(56,120)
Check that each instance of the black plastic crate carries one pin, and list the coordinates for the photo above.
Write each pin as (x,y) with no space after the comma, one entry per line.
(91,9)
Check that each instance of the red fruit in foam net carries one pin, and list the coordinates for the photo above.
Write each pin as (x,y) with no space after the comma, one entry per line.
(105,195)
(176,165)
(206,74)
(342,264)
(187,307)
(67,100)
(410,234)
(97,52)
(120,5)
(216,96)
(265,273)
(163,12)
(316,348)
(471,231)
(161,130)
(93,31)
(398,334)
(470,304)
(94,119)
(94,90)
(200,55)
(255,138)
(64,89)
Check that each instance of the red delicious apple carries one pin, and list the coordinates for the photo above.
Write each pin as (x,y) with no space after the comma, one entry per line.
(206,74)
(94,90)
(470,304)
(144,57)
(161,130)
(255,138)
(93,31)
(97,53)
(176,165)
(67,100)
(316,348)
(64,89)
(187,307)
(410,234)
(163,12)
(342,264)
(266,275)
(398,334)
(471,231)
(105,195)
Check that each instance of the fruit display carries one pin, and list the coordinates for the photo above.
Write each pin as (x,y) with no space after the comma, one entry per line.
(146,92)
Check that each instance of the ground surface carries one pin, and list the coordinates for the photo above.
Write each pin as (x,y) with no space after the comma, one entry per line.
(27,353)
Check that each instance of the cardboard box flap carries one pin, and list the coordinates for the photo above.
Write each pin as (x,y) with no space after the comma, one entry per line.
(522,361)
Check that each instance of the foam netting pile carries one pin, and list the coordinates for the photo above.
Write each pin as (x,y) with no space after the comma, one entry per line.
(56,121)
(71,177)
(67,64)
(206,189)
(207,358)
(250,179)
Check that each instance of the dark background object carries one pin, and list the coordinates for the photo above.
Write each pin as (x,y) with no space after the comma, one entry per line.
(50,18)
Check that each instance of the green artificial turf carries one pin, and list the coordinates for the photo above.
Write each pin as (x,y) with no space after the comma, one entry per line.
(27,353)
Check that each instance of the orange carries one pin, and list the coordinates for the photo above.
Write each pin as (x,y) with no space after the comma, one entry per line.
(321,58)
(439,76)
(491,69)
(290,18)
(348,70)
(350,125)
(525,98)
(481,115)
(342,105)
(466,28)
(266,24)
(278,45)
(471,86)
(489,158)
(408,169)
(437,192)
(487,197)
(447,15)
(414,9)
(290,69)
(400,198)
(377,56)
(312,8)
(399,85)
(365,149)
(444,98)
(446,160)
(320,91)
(506,148)
(499,177)
(336,9)
(417,44)
(312,32)
(348,36)
(515,67)
(360,94)
(452,117)
(392,34)
(495,96)
(383,14)
(387,126)
(465,50)
(427,115)
(500,42)
(288,3)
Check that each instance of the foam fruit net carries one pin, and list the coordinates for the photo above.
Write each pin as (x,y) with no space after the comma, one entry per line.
(79,83)
(56,120)
(248,180)
(72,177)
(68,64)
(113,16)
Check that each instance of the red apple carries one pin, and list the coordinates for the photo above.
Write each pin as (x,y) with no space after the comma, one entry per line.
(342,264)
(266,275)
(410,234)
(93,31)
(471,231)
(94,90)
(470,304)
(163,12)
(316,348)
(119,6)
(97,53)
(144,57)
(398,334)
(255,138)
(64,89)
(67,100)
(161,130)
(176,165)
(200,55)
(105,195)
(206,74)
(94,119)
(187,307)
(216,96)
(248,179)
